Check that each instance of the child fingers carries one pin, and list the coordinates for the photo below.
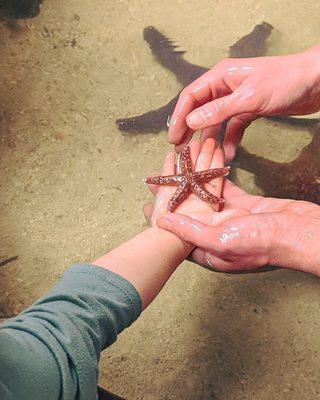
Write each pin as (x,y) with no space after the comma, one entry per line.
(153,188)
(148,211)
(218,158)
(211,132)
(205,157)
(218,162)
(168,164)
(194,151)
(164,193)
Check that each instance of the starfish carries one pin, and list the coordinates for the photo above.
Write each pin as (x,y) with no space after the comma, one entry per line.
(189,181)
(165,53)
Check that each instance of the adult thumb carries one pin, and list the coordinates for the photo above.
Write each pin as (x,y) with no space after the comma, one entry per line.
(186,228)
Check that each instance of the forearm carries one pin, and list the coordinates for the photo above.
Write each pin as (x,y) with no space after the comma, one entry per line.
(58,339)
(147,261)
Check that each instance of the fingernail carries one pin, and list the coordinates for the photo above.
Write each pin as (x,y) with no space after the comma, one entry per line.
(172,123)
(196,120)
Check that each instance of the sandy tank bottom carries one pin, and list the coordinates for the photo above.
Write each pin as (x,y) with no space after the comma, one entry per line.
(71,189)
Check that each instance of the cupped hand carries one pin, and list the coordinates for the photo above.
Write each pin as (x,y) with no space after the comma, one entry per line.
(207,156)
(241,90)
(251,232)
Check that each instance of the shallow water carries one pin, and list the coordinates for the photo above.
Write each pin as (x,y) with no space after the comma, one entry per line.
(71,189)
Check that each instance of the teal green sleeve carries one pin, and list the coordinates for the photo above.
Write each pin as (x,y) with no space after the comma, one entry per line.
(51,350)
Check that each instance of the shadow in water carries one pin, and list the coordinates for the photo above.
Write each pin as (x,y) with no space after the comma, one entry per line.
(298,179)
(19,9)
(165,53)
(103,394)
(238,340)
(244,334)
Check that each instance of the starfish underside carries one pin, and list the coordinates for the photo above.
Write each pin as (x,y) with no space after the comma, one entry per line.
(189,181)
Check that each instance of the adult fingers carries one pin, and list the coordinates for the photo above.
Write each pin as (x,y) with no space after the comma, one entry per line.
(186,228)
(234,132)
(239,237)
(220,81)
(185,140)
(164,193)
(205,259)
(211,132)
(208,86)
(223,108)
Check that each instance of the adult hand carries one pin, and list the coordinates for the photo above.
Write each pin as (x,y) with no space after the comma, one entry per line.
(251,232)
(241,90)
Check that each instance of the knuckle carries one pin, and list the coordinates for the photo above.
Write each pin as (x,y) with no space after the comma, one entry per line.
(224,62)
(184,235)
(184,93)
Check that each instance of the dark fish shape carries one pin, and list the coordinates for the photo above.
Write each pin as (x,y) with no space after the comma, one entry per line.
(298,179)
(19,9)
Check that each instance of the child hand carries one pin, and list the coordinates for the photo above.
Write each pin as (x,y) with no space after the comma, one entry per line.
(205,157)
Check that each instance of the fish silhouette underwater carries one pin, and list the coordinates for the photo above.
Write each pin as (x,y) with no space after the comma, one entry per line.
(165,52)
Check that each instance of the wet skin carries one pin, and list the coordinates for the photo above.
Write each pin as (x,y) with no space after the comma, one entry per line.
(297,179)
(189,181)
(165,53)
(250,232)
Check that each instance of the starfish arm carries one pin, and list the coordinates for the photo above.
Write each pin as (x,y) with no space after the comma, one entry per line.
(203,194)
(209,174)
(185,160)
(164,180)
(181,193)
